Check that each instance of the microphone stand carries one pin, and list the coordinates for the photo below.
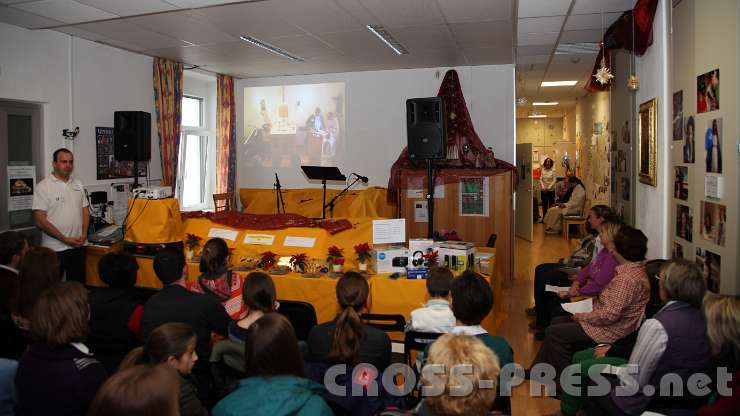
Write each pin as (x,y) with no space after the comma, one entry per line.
(279,195)
(333,200)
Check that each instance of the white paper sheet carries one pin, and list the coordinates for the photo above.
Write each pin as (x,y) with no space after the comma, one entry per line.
(223,233)
(291,241)
(389,231)
(259,239)
(556,289)
(582,306)
(420,211)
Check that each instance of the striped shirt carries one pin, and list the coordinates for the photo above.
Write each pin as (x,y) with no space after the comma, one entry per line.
(620,307)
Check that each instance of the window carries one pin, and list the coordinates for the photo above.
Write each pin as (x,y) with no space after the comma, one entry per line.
(195,162)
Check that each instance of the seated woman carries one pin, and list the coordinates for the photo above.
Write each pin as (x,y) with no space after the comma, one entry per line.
(723,329)
(674,340)
(346,340)
(590,281)
(554,218)
(258,295)
(617,311)
(115,311)
(446,353)
(58,375)
(588,248)
(217,280)
(139,390)
(172,344)
(39,271)
(274,385)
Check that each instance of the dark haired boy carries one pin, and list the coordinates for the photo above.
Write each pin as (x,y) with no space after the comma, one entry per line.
(435,315)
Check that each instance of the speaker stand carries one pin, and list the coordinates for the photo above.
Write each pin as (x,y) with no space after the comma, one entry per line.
(136,173)
(430,199)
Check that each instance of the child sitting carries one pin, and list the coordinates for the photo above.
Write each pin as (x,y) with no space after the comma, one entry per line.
(217,280)
(435,315)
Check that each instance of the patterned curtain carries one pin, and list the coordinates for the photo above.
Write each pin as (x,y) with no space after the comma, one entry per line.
(226,135)
(168,102)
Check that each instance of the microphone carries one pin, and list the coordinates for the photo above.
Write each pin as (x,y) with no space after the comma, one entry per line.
(362,178)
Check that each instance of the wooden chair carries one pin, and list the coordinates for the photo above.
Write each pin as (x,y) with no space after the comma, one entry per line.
(223,202)
(579,219)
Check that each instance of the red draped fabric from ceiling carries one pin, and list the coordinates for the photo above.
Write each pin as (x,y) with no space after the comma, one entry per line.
(638,21)
(461,136)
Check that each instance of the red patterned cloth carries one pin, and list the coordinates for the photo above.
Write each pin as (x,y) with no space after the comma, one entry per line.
(471,152)
(237,219)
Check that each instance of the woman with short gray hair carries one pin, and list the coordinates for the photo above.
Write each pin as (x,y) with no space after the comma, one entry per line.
(674,341)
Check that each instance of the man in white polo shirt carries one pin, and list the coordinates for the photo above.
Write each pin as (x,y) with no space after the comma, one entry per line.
(61,213)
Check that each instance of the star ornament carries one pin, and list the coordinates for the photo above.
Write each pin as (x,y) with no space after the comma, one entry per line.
(603,74)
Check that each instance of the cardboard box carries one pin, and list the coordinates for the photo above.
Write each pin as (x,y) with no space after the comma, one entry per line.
(391,259)
(458,256)
(417,273)
(417,248)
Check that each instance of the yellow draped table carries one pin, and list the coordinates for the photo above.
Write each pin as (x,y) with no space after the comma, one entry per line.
(369,202)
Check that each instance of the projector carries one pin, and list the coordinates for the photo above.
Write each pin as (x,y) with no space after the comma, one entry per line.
(153,192)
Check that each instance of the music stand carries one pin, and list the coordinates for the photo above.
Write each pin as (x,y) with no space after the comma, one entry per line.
(323,173)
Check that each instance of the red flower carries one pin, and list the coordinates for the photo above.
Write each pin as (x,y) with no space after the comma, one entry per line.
(363,252)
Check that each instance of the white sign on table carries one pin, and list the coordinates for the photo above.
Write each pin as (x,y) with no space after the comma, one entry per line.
(292,241)
(259,239)
(389,231)
(223,233)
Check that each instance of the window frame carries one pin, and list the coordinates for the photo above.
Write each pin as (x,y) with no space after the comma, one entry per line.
(207,152)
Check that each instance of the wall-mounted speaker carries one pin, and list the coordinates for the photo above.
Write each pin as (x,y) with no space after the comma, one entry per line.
(426,128)
(132,131)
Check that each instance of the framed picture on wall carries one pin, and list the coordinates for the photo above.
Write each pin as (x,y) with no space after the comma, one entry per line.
(646,135)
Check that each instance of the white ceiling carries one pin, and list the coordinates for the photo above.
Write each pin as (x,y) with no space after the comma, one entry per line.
(541,27)
(330,35)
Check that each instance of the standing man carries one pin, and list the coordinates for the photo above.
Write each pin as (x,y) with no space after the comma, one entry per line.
(60,209)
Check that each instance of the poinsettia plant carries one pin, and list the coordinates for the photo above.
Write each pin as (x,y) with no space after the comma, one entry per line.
(336,255)
(268,259)
(298,261)
(431,258)
(363,252)
(192,241)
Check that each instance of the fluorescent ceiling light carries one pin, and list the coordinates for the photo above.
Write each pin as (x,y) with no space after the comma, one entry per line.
(546,103)
(537,116)
(558,83)
(388,39)
(271,48)
(577,48)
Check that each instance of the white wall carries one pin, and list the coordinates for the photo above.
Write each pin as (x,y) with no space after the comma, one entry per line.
(376,121)
(78,83)
(652,204)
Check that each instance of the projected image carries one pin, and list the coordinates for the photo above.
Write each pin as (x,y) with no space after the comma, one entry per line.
(292,125)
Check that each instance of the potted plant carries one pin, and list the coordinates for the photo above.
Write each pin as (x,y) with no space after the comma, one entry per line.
(335,258)
(363,255)
(192,242)
(298,262)
(267,260)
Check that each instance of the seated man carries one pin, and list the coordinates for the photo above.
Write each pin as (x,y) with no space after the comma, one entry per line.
(115,312)
(435,315)
(174,303)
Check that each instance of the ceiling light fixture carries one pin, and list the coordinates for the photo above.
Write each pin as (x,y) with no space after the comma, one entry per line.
(271,48)
(522,101)
(381,32)
(546,103)
(537,116)
(558,83)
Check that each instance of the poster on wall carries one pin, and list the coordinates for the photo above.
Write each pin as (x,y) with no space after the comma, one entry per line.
(474,196)
(707,92)
(22,181)
(678,115)
(688,141)
(625,183)
(677,251)
(107,166)
(713,222)
(681,183)
(684,221)
(711,265)
(713,146)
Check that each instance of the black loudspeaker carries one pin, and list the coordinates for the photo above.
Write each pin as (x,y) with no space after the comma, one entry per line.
(426,128)
(132,131)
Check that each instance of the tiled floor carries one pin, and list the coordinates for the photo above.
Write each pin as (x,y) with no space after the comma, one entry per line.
(543,249)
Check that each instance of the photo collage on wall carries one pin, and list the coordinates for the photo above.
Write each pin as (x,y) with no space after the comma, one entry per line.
(677,251)
(684,222)
(711,266)
(681,183)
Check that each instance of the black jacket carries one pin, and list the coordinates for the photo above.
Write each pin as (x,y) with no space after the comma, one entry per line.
(110,338)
